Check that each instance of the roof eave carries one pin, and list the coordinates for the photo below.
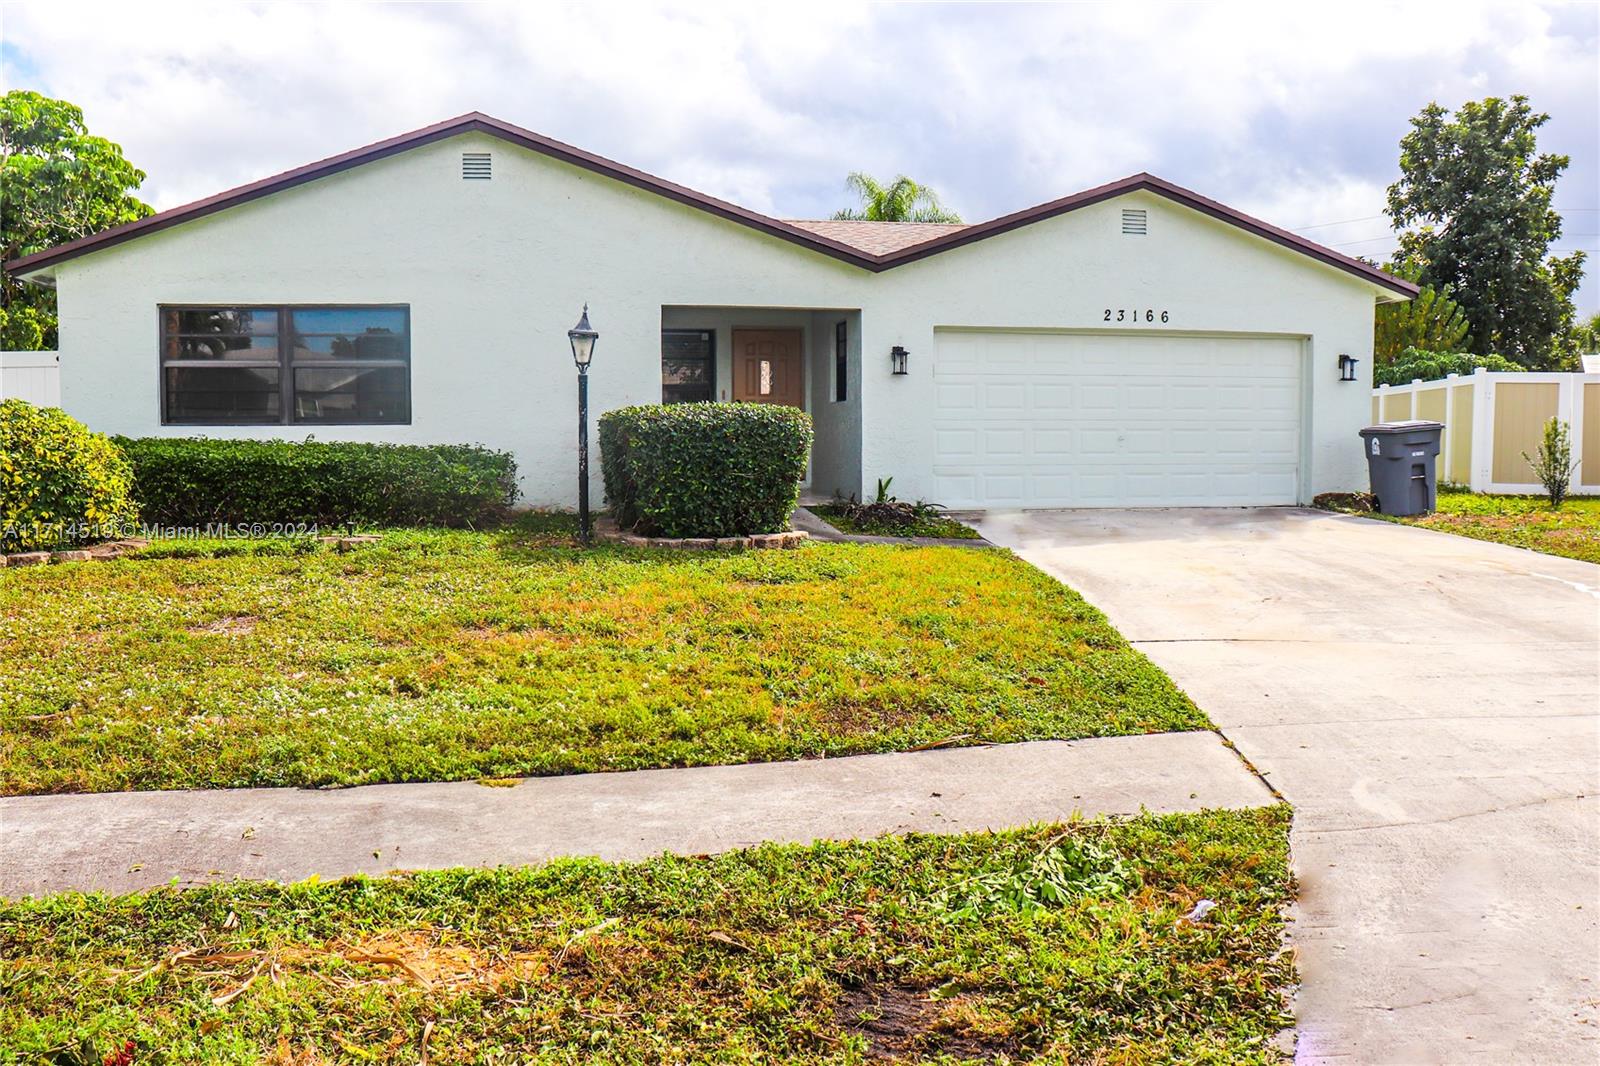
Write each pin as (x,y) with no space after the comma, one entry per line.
(476,121)
(469,123)
(1385,282)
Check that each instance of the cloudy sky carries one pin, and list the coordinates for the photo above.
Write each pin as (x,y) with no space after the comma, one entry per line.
(1290,111)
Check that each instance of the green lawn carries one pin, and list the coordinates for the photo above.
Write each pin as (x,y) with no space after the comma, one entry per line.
(922,948)
(925,526)
(440,655)
(1524,521)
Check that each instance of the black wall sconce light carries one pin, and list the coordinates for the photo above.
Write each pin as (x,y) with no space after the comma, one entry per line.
(897,359)
(1347,367)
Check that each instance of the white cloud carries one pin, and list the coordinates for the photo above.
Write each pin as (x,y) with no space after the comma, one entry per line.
(1289,111)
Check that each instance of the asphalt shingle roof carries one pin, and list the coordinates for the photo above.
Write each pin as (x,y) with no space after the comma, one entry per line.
(877,238)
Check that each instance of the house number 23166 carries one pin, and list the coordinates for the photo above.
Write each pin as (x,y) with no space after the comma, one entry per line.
(1134,314)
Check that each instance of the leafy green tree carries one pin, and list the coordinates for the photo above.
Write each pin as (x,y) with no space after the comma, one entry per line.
(1432,322)
(902,200)
(1585,336)
(1418,364)
(57,183)
(1473,201)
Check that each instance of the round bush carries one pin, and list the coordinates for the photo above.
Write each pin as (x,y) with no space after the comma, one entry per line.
(59,483)
(704,469)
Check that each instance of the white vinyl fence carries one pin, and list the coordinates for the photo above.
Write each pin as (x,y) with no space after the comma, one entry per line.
(1491,419)
(31,376)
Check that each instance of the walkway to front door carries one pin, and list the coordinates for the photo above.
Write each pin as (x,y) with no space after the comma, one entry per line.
(768,366)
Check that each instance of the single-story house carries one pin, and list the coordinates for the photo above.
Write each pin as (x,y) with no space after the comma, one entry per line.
(1135,344)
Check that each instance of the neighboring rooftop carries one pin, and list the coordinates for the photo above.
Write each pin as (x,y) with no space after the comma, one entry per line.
(877,238)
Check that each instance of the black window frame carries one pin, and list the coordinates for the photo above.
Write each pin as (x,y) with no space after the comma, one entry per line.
(841,362)
(284,363)
(710,336)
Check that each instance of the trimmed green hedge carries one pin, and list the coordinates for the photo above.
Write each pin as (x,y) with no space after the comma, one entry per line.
(59,483)
(704,469)
(192,481)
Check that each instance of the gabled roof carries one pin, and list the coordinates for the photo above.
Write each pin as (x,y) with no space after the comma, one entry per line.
(827,238)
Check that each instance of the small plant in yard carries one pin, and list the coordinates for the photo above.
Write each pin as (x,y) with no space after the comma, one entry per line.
(887,516)
(1067,868)
(1553,464)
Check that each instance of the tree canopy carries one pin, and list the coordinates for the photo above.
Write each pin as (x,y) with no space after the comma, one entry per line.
(57,183)
(901,200)
(1432,322)
(1474,204)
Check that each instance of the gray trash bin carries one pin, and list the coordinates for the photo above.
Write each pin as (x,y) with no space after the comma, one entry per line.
(1400,460)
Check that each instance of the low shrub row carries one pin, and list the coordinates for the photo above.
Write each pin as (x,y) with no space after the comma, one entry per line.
(193,481)
(704,469)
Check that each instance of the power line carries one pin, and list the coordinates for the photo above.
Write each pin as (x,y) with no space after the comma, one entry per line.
(1341,222)
(1369,240)
(1396,237)
(1369,218)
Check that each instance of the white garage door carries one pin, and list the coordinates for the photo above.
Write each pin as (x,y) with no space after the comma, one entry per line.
(1081,420)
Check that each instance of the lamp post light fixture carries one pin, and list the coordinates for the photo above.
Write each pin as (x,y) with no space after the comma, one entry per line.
(897,359)
(1347,367)
(583,337)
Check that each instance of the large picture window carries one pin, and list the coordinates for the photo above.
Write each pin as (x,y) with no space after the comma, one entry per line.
(285,365)
(688,365)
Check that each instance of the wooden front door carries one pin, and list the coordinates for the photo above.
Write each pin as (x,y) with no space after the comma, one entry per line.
(768,366)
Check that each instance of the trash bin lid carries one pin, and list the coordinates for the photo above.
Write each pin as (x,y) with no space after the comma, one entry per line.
(1401,427)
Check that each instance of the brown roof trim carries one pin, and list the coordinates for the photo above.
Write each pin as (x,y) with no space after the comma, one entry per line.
(472,122)
(478,122)
(1176,193)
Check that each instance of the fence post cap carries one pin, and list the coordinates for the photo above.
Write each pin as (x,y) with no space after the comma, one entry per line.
(1416,381)
(1480,370)
(1452,374)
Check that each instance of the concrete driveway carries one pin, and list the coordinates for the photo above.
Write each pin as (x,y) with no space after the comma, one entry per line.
(1429,705)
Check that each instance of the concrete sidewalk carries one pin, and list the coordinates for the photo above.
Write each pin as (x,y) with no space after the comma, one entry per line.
(121,842)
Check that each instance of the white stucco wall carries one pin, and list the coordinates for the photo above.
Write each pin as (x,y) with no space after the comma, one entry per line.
(836,455)
(495,273)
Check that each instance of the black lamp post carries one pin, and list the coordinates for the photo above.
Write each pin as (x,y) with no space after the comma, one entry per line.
(583,337)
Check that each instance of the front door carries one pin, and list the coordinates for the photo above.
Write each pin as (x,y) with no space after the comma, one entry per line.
(768,366)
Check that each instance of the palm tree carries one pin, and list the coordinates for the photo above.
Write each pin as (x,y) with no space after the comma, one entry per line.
(902,200)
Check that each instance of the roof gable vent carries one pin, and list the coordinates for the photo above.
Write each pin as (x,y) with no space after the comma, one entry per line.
(476,166)
(1134,222)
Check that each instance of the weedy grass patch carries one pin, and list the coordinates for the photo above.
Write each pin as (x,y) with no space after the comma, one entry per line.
(926,522)
(830,953)
(457,655)
(1572,531)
